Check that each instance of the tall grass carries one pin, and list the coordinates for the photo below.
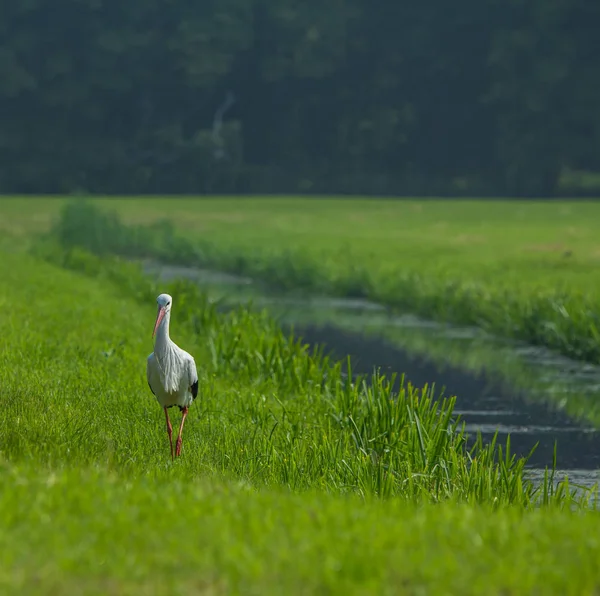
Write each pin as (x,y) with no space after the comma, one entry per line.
(294,477)
(557,316)
(275,414)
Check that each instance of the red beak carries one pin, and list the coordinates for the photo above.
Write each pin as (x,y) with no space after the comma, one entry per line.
(159,318)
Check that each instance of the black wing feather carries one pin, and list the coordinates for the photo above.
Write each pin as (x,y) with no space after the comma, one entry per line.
(151,388)
(195,389)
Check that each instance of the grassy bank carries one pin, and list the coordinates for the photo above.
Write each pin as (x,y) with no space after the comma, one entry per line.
(290,476)
(527,270)
(92,532)
(278,414)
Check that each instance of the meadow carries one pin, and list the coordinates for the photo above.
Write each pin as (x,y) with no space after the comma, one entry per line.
(290,478)
(521,269)
(293,478)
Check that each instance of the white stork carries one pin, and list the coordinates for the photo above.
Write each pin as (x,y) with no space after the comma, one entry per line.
(171,371)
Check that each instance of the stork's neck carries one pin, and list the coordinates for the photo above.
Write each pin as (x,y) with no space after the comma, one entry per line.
(162,340)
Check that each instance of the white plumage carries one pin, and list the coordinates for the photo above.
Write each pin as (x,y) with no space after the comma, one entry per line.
(171,371)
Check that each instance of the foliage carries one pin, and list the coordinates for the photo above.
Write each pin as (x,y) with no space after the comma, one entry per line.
(253,96)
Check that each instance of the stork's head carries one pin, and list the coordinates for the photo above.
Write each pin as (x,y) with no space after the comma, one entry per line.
(164,302)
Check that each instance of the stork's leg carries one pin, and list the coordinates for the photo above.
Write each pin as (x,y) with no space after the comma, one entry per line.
(184,413)
(169,430)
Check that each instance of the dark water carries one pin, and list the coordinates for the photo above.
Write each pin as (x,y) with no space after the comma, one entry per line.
(532,394)
(486,404)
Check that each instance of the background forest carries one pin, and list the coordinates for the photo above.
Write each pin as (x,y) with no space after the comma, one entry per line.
(472,97)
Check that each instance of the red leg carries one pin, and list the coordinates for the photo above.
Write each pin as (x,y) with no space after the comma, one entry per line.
(180,438)
(169,430)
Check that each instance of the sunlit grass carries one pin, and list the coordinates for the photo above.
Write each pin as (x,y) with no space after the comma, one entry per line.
(542,306)
(292,479)
(92,532)
(270,412)
(69,531)
(531,242)
(549,300)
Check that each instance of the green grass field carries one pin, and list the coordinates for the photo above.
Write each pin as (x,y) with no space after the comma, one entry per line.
(290,479)
(92,532)
(521,269)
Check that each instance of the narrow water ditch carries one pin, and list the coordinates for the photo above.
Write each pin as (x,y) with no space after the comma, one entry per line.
(513,388)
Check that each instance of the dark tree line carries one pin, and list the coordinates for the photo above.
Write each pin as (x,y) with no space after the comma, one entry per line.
(344,96)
